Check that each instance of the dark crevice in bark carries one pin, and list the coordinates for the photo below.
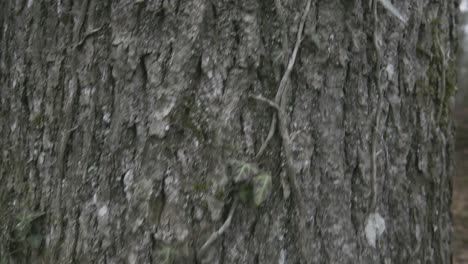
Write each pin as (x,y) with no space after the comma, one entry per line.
(292,104)
(80,21)
(37,194)
(237,34)
(354,207)
(140,14)
(144,72)
(166,63)
(62,225)
(317,13)
(223,250)
(3,8)
(256,259)
(242,132)
(19,7)
(253,227)
(214,11)
(177,7)
(113,90)
(76,230)
(25,100)
(162,198)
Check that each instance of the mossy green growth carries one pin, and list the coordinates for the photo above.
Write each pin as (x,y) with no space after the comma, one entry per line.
(423,52)
(200,187)
(220,195)
(245,192)
(435,25)
(26,220)
(451,85)
(450,89)
(447,70)
(166,255)
(438,83)
(27,233)
(37,120)
(426,90)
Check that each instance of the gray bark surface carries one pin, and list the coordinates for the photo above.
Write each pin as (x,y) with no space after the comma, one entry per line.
(120,119)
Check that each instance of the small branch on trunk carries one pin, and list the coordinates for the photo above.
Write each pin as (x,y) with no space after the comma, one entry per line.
(216,234)
(283,86)
(281,100)
(87,35)
(378,110)
(279,104)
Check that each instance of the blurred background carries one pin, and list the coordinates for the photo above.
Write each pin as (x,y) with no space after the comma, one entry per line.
(460,181)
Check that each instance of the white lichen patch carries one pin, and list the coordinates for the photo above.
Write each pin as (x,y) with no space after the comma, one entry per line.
(106,118)
(158,128)
(137,224)
(158,124)
(132,258)
(181,233)
(172,189)
(128,182)
(282,258)
(103,211)
(198,213)
(375,227)
(390,69)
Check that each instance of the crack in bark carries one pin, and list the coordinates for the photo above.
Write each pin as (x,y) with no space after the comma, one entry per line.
(75,240)
(68,116)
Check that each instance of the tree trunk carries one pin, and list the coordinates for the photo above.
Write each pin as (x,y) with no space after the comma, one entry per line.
(131,131)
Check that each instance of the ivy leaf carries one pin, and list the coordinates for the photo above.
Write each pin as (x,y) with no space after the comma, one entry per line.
(165,255)
(25,220)
(392,9)
(245,192)
(262,187)
(35,240)
(243,171)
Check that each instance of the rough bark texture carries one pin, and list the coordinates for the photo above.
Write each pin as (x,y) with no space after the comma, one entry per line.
(119,119)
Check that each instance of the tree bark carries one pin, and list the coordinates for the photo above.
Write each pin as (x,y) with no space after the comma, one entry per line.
(130,131)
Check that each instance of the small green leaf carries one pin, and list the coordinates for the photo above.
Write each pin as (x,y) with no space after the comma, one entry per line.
(262,187)
(165,255)
(199,187)
(30,217)
(316,41)
(35,240)
(245,192)
(26,219)
(243,171)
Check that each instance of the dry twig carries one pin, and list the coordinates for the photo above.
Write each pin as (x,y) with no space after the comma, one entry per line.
(216,234)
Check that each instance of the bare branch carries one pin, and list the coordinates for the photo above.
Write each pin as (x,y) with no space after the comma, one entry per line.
(282,89)
(216,234)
